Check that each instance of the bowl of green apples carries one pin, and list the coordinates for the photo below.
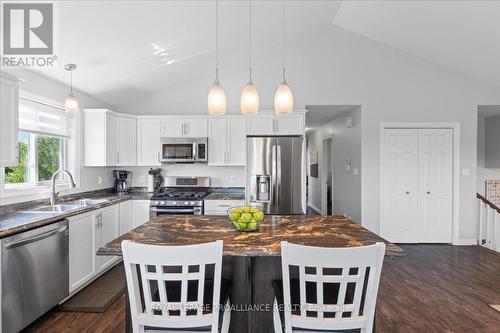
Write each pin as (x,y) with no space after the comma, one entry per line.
(246,218)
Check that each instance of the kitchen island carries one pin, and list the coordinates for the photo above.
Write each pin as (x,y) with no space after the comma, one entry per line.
(251,259)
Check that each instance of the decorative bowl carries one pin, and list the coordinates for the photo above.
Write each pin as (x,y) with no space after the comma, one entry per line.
(246,218)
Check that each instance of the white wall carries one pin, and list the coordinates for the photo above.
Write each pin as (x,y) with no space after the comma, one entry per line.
(483,174)
(53,90)
(346,144)
(220,176)
(338,68)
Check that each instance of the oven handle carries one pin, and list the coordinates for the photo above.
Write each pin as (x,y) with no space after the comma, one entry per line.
(172,210)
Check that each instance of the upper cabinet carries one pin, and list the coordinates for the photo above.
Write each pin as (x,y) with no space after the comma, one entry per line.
(195,127)
(109,139)
(227,141)
(270,124)
(148,141)
(9,119)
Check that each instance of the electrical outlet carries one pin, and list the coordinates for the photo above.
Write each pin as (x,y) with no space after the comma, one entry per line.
(99,180)
(355,171)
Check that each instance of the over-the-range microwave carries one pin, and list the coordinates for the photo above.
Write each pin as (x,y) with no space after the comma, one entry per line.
(184,150)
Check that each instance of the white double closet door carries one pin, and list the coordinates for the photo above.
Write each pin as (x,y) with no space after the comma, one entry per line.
(417,185)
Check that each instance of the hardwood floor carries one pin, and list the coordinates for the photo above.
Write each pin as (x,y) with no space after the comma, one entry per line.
(434,288)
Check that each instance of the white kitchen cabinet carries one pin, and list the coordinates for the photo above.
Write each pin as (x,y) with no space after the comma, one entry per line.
(184,127)
(260,124)
(220,207)
(125,217)
(266,123)
(148,141)
(227,141)
(81,250)
(140,212)
(126,141)
(99,137)
(9,120)
(106,223)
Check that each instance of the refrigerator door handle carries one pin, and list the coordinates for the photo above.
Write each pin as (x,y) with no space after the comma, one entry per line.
(278,175)
(273,175)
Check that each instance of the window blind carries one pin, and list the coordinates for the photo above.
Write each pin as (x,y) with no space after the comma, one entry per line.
(41,118)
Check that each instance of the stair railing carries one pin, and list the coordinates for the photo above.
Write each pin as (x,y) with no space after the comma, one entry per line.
(489,224)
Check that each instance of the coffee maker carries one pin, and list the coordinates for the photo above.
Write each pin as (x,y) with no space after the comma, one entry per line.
(120,181)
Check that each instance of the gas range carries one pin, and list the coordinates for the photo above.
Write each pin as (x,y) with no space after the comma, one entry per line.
(181,195)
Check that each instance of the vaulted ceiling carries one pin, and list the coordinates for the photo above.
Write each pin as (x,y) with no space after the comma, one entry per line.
(128,50)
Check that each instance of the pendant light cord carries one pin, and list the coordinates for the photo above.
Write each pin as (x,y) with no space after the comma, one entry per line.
(71,82)
(250,39)
(283,37)
(216,41)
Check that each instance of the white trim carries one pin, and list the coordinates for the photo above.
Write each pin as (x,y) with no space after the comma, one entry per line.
(455,126)
(323,176)
(316,209)
(465,241)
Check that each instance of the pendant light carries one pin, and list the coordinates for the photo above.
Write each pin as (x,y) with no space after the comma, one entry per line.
(283,100)
(216,95)
(70,103)
(249,103)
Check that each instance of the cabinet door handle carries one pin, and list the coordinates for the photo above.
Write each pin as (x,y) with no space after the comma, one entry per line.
(117,157)
(276,127)
(227,158)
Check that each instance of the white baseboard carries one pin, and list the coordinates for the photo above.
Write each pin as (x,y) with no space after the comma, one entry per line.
(314,207)
(465,241)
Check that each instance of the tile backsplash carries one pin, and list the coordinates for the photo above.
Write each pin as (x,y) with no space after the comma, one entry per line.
(493,191)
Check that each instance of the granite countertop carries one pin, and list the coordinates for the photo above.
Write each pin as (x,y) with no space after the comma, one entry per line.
(317,230)
(14,220)
(225,196)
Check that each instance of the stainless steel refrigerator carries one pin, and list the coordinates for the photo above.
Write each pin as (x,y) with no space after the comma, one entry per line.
(276,174)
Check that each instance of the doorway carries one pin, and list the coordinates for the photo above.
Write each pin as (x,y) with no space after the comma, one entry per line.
(327,177)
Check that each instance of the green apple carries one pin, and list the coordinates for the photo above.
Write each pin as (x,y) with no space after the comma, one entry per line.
(252,225)
(254,210)
(240,220)
(259,216)
(238,210)
(246,217)
(234,216)
(247,209)
(241,226)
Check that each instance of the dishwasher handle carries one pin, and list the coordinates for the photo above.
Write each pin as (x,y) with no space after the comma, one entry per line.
(36,238)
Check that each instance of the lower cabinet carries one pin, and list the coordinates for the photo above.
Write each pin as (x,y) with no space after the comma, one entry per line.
(81,250)
(125,217)
(88,232)
(140,212)
(219,207)
(106,229)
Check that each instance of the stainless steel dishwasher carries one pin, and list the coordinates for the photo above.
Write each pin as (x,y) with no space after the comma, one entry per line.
(35,274)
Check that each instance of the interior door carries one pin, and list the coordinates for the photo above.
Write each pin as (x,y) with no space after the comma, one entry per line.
(435,167)
(399,186)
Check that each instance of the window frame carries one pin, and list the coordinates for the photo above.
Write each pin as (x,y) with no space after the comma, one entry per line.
(70,160)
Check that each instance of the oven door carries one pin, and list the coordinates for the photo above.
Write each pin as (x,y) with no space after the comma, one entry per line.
(155,211)
(178,152)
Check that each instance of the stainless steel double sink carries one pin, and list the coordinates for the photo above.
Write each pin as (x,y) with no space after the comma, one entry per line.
(66,206)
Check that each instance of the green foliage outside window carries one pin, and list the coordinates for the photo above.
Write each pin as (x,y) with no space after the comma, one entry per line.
(17,175)
(48,151)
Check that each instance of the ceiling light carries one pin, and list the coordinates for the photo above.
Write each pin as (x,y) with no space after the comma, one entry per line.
(283,100)
(70,103)
(249,102)
(216,95)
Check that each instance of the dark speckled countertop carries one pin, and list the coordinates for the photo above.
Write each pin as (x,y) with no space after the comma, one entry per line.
(14,220)
(326,231)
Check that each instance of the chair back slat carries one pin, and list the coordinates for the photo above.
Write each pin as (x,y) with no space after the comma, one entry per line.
(337,286)
(166,284)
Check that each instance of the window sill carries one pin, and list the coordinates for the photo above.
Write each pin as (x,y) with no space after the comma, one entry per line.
(23,190)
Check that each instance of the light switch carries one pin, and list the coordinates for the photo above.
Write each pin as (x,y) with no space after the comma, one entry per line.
(355,171)
(466,172)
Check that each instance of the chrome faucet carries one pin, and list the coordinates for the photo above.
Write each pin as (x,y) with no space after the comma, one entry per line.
(53,195)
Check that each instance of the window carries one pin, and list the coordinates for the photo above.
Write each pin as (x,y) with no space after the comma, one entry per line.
(44,132)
